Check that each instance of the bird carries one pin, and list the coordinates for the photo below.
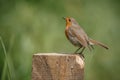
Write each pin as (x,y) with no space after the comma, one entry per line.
(78,37)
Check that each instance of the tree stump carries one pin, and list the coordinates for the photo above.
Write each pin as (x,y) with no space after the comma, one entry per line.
(55,66)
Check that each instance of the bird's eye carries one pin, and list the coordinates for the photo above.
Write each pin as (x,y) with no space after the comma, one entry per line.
(69,20)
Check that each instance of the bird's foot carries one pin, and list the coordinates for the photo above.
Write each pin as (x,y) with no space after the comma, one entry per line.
(80,54)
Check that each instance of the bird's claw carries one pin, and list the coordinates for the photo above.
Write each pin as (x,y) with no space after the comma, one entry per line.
(81,55)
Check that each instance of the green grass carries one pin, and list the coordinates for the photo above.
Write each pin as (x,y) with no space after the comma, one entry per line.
(6,66)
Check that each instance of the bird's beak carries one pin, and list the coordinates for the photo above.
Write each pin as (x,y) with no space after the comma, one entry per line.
(64,18)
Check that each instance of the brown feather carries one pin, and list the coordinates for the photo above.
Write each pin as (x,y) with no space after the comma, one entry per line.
(98,43)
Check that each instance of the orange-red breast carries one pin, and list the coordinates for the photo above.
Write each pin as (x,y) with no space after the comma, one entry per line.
(77,36)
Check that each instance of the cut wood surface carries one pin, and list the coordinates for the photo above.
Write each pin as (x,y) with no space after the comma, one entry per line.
(55,66)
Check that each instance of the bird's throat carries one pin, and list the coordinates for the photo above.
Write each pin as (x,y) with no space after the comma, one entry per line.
(68,24)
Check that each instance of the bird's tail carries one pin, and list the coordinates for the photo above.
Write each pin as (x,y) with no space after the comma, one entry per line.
(93,42)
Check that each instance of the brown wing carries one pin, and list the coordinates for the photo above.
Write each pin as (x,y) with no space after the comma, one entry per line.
(79,33)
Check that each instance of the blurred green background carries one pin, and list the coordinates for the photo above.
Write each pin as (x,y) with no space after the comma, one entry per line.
(36,26)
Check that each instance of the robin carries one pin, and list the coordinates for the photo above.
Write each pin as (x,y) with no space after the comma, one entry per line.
(77,36)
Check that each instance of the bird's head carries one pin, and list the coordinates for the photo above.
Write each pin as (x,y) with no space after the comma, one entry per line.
(70,21)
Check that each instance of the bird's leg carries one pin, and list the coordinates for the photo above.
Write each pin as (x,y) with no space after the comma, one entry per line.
(77,50)
(82,52)
(89,47)
(92,46)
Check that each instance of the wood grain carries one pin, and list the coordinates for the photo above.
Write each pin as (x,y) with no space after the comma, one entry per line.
(54,66)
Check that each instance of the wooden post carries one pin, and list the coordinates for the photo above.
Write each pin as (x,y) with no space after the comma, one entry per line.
(53,66)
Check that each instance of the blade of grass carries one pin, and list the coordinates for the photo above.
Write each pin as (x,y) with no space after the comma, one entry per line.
(12,69)
(4,71)
(6,58)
